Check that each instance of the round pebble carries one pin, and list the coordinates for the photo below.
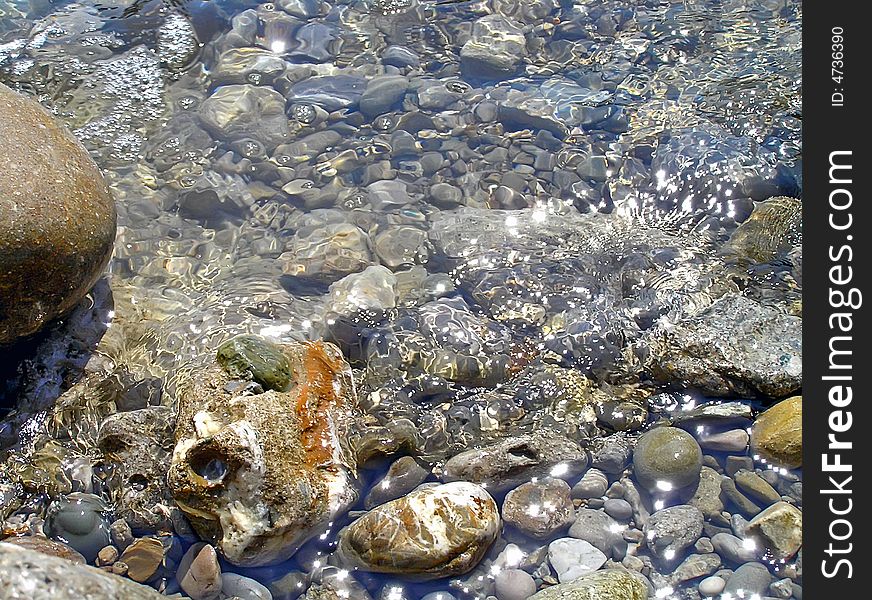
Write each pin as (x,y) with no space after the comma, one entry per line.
(666,459)
(711,586)
(618,508)
(514,584)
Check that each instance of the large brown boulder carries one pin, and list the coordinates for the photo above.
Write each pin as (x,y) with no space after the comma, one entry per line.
(57,218)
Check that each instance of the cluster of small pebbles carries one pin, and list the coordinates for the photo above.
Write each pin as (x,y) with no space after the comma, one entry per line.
(419,301)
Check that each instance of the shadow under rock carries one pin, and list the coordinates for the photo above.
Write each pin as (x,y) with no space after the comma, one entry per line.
(36,370)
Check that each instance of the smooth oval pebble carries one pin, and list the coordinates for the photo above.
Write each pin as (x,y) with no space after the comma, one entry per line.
(711,586)
(234,585)
(514,584)
(199,573)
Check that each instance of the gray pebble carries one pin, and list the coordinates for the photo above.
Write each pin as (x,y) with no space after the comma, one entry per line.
(514,584)
(734,440)
(619,509)
(732,549)
(749,579)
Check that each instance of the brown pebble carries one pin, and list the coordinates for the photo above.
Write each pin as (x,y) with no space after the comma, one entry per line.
(119,568)
(120,534)
(143,557)
(199,573)
(106,556)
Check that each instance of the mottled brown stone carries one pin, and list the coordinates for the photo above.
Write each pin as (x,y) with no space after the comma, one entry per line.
(48,546)
(57,218)
(259,474)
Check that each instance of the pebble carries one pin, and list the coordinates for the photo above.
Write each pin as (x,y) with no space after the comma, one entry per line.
(143,557)
(236,111)
(711,586)
(732,549)
(778,529)
(734,440)
(199,574)
(745,505)
(694,567)
(494,50)
(599,529)
(572,558)
(707,497)
(756,487)
(539,508)
(435,531)
(669,532)
(120,534)
(618,508)
(404,475)
(593,484)
(511,462)
(382,93)
(514,584)
(399,56)
(106,556)
(734,464)
(445,195)
(80,521)
(243,588)
(612,454)
(614,584)
(666,459)
(776,435)
(749,579)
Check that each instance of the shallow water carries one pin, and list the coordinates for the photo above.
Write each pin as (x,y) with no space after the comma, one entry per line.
(594,188)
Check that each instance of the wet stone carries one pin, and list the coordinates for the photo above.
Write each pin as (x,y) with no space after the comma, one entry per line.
(600,530)
(776,435)
(740,501)
(399,56)
(735,440)
(199,573)
(253,357)
(445,195)
(238,586)
(572,558)
(612,454)
(778,529)
(81,521)
(749,579)
(404,475)
(495,49)
(749,350)
(44,545)
(608,584)
(382,93)
(331,92)
(238,111)
(667,458)
(28,574)
(327,253)
(707,497)
(509,463)
(374,288)
(733,549)
(143,558)
(539,508)
(756,487)
(671,531)
(460,521)
(261,473)
(618,508)
(247,66)
(514,584)
(593,484)
(711,586)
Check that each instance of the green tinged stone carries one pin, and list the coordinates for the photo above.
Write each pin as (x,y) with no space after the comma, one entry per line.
(253,357)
